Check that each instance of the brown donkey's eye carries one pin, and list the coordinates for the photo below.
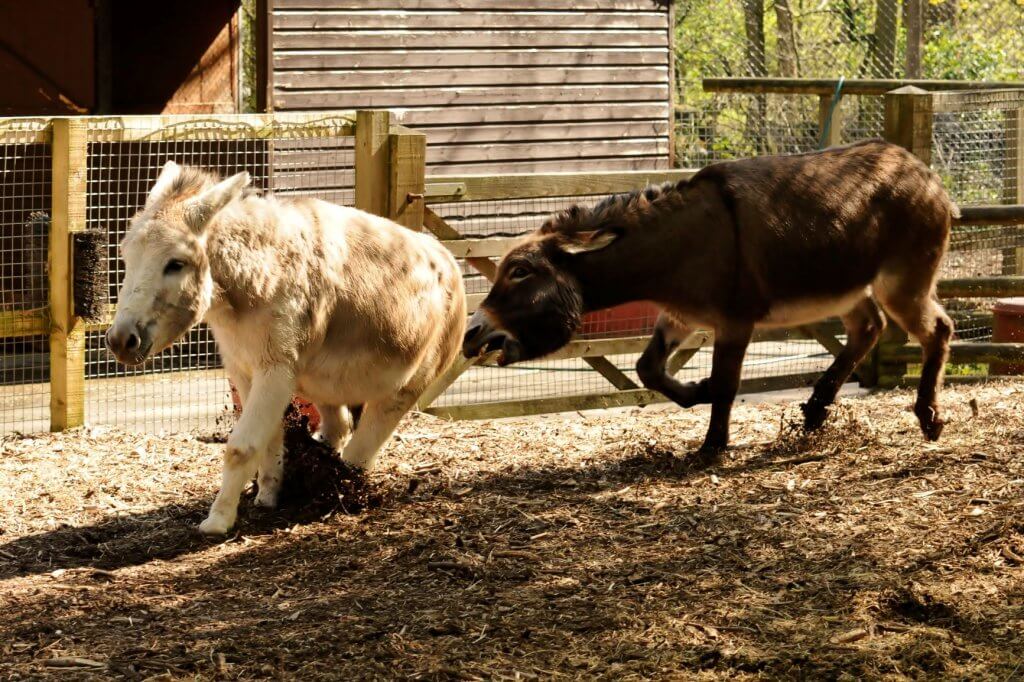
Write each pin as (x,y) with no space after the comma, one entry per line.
(519,272)
(174,266)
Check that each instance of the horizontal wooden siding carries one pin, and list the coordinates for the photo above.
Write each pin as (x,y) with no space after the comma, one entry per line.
(497,85)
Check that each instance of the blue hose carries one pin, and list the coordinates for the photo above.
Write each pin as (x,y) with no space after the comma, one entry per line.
(836,96)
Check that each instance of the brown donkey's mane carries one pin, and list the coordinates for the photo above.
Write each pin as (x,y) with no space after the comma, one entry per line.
(618,210)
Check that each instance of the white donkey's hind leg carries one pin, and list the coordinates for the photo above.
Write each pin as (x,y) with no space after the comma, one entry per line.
(261,419)
(335,424)
(271,471)
(376,424)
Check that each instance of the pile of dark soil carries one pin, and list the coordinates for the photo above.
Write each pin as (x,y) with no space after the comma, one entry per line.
(316,482)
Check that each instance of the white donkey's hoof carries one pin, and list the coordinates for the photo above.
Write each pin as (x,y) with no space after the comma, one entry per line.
(215,525)
(266,498)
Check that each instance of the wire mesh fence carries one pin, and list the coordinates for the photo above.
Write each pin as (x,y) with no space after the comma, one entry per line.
(185,387)
(976,149)
(980,40)
(25,164)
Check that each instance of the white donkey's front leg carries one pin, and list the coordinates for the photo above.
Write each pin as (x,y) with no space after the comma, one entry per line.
(258,428)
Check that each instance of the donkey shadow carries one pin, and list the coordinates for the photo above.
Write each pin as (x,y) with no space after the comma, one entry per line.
(163,533)
(169,532)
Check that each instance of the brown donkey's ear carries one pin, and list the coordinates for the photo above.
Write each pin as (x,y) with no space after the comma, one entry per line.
(585,242)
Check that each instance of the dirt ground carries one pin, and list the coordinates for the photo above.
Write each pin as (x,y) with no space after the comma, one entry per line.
(581,546)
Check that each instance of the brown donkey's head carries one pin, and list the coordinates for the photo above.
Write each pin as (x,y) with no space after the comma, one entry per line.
(537,301)
(545,285)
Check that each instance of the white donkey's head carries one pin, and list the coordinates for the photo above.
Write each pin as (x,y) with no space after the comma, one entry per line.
(167,286)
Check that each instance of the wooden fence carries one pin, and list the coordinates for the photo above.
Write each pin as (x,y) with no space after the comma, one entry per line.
(96,170)
(390,179)
(910,122)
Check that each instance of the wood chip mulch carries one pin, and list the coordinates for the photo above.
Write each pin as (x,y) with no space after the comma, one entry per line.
(580,546)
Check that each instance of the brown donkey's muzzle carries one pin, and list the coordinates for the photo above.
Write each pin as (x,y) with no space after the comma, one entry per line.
(482,336)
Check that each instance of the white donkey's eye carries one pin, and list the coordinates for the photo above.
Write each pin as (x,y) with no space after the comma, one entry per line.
(173,266)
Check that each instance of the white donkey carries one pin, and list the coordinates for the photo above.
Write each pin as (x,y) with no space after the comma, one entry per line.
(304,297)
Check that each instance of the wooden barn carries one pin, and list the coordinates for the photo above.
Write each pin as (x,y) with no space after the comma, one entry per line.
(497,85)
(118,57)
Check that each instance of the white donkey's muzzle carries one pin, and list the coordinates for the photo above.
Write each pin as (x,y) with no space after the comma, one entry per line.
(129,342)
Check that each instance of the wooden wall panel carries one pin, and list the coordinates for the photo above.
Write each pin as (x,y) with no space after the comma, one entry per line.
(497,85)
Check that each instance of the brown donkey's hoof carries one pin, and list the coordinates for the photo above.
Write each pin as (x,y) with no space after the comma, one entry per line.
(709,455)
(815,415)
(932,428)
(931,424)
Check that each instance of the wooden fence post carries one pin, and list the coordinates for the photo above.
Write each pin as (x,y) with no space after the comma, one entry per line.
(908,123)
(372,161)
(1013,181)
(67,332)
(407,181)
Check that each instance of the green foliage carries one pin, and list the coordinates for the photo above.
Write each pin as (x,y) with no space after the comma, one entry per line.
(249,54)
(948,55)
(980,40)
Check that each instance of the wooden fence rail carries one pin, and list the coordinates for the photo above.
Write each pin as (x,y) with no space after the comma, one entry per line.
(390,180)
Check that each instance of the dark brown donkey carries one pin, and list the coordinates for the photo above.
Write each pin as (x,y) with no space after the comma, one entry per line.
(765,242)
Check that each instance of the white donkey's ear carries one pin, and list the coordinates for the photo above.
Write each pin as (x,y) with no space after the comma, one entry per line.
(202,208)
(168,175)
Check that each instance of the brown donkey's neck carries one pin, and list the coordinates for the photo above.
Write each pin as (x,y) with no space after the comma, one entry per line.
(661,255)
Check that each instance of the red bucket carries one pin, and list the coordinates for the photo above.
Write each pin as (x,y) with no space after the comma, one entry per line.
(1008,326)
(629,319)
(304,407)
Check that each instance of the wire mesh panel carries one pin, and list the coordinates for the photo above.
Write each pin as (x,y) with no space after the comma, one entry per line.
(978,40)
(976,149)
(25,164)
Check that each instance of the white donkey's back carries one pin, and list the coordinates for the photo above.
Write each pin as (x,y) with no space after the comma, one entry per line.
(304,297)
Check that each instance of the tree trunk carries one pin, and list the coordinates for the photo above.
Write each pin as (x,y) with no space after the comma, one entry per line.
(789,64)
(882,56)
(913,19)
(753,26)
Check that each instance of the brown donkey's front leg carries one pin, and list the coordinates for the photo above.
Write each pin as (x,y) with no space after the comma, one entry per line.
(720,389)
(731,343)
(651,366)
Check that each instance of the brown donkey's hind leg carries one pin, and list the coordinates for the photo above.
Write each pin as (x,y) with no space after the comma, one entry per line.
(908,298)
(863,324)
